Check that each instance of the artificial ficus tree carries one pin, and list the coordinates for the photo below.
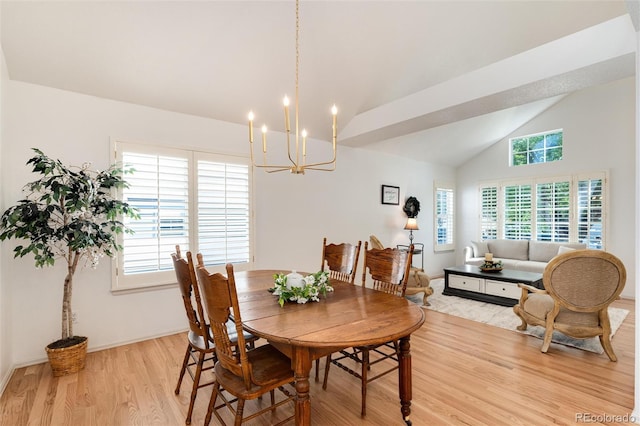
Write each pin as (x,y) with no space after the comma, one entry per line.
(69,213)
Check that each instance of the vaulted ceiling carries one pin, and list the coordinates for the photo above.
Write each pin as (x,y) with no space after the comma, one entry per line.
(434,80)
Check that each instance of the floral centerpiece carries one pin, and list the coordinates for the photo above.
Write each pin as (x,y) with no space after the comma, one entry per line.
(491,265)
(300,290)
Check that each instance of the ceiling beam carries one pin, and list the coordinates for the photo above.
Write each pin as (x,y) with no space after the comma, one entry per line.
(602,53)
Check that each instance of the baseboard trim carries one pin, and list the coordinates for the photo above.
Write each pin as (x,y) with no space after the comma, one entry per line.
(5,379)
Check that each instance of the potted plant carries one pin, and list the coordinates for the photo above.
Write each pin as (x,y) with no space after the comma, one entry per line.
(69,213)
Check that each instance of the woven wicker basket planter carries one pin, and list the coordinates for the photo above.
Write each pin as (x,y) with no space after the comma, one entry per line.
(67,360)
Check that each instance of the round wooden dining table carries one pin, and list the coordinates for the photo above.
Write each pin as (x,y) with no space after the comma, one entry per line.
(351,315)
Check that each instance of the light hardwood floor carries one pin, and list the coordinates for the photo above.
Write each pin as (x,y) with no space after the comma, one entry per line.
(464,373)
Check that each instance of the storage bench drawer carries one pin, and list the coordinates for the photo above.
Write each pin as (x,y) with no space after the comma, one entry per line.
(464,283)
(503,289)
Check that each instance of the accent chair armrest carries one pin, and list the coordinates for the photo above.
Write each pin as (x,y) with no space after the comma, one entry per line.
(526,289)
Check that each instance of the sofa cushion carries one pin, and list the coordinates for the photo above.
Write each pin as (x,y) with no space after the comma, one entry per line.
(508,263)
(530,266)
(542,251)
(479,248)
(509,249)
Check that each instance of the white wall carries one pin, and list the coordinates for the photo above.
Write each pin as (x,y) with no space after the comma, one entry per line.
(5,348)
(293,213)
(634,11)
(599,134)
(345,206)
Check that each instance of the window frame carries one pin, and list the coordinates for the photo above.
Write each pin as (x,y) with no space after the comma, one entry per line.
(166,278)
(529,151)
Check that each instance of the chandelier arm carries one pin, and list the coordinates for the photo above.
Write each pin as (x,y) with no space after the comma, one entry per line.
(323,163)
(272,166)
(320,169)
(289,146)
(279,170)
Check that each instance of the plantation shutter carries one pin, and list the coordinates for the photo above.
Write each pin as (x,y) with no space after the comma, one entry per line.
(489,212)
(223,212)
(517,212)
(444,218)
(553,203)
(590,203)
(565,209)
(159,190)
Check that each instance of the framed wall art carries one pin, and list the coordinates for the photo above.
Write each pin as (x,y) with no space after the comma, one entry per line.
(390,195)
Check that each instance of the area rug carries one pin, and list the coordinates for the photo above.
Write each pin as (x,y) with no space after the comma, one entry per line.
(504,317)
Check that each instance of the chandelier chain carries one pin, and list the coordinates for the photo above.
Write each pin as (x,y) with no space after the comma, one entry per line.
(297,55)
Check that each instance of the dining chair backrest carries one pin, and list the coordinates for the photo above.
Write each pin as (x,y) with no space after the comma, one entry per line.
(221,300)
(185,274)
(340,260)
(388,268)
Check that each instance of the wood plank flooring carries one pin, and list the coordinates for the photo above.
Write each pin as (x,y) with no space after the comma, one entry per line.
(464,373)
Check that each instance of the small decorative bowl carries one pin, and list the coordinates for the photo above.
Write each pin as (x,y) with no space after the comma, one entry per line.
(494,269)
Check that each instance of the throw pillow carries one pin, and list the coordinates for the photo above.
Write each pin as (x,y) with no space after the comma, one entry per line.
(479,248)
(564,249)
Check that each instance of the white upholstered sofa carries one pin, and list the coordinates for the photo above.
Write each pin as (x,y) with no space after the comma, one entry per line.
(522,255)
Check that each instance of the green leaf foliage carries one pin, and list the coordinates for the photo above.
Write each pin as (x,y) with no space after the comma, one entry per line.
(67,212)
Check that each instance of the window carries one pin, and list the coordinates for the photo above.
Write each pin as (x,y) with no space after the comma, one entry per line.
(560,209)
(538,148)
(197,200)
(444,217)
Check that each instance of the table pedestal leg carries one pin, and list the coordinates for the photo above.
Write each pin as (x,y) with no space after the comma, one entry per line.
(404,379)
(301,368)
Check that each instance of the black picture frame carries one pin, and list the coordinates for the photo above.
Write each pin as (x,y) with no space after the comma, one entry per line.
(390,195)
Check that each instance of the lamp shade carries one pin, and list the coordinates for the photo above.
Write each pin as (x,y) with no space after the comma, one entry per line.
(412,224)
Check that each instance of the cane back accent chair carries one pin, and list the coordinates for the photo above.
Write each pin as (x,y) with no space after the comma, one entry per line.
(200,347)
(388,270)
(579,287)
(247,374)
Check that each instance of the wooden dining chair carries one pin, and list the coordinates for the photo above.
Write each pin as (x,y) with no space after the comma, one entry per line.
(341,261)
(200,351)
(247,374)
(384,270)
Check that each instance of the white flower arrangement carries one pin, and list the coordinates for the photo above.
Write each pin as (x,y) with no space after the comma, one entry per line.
(312,286)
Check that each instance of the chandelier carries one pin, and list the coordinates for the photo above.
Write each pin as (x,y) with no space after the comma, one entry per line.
(298,156)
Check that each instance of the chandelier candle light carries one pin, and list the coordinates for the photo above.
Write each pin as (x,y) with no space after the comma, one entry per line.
(297,166)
